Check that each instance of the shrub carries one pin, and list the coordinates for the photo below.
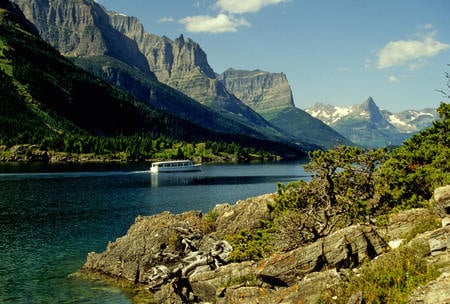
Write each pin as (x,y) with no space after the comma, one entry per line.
(389,279)
(251,245)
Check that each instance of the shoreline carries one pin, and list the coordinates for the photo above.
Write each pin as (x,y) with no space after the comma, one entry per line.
(33,154)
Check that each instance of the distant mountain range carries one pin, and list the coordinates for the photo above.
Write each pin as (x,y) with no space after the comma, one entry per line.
(367,125)
(116,48)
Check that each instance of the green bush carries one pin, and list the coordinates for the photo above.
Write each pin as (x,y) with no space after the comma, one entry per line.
(251,245)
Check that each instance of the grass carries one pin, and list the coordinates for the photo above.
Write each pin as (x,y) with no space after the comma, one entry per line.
(389,279)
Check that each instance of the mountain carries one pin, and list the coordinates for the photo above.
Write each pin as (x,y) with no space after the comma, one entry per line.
(264,92)
(183,65)
(46,98)
(81,28)
(367,125)
(182,61)
(43,93)
(270,95)
(412,121)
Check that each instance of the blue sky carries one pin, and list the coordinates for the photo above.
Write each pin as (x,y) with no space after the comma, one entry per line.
(338,52)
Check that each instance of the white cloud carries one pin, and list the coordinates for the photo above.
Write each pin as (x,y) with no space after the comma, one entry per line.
(411,52)
(392,79)
(245,6)
(207,24)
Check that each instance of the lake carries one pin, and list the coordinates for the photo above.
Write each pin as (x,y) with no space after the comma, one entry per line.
(51,216)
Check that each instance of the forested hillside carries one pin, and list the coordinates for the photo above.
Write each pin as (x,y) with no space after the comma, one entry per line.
(49,102)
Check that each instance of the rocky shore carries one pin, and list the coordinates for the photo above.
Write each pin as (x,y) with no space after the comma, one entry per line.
(185,258)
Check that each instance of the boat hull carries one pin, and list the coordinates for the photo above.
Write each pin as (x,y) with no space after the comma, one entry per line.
(175,166)
(193,168)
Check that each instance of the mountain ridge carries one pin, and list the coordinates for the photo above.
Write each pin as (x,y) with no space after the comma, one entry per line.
(182,64)
(270,95)
(370,126)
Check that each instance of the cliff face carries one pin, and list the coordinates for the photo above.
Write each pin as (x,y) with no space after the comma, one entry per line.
(260,90)
(183,65)
(81,28)
(270,95)
(166,57)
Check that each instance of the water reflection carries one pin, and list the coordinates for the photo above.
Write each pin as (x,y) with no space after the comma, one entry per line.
(186,179)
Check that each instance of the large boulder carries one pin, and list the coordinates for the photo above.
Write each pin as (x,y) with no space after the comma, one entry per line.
(403,225)
(150,241)
(346,248)
(436,291)
(307,290)
(441,201)
(244,214)
(211,284)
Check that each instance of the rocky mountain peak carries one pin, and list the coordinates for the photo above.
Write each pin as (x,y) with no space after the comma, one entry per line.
(368,125)
(180,40)
(370,101)
(81,28)
(373,112)
(260,90)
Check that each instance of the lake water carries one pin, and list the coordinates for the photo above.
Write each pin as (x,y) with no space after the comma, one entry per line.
(52,216)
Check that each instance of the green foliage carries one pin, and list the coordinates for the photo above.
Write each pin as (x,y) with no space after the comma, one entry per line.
(209,221)
(418,167)
(251,245)
(341,192)
(425,224)
(389,279)
(249,280)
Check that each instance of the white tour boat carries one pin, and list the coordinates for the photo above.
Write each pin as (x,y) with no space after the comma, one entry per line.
(175,166)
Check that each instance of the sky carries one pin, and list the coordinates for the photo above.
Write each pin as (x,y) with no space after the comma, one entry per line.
(337,52)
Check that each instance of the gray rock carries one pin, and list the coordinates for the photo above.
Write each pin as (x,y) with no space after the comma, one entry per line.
(211,284)
(244,214)
(81,28)
(307,290)
(439,241)
(346,248)
(441,201)
(150,241)
(403,224)
(437,291)
(260,90)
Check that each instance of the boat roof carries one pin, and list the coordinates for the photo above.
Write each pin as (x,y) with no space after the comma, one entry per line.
(173,161)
